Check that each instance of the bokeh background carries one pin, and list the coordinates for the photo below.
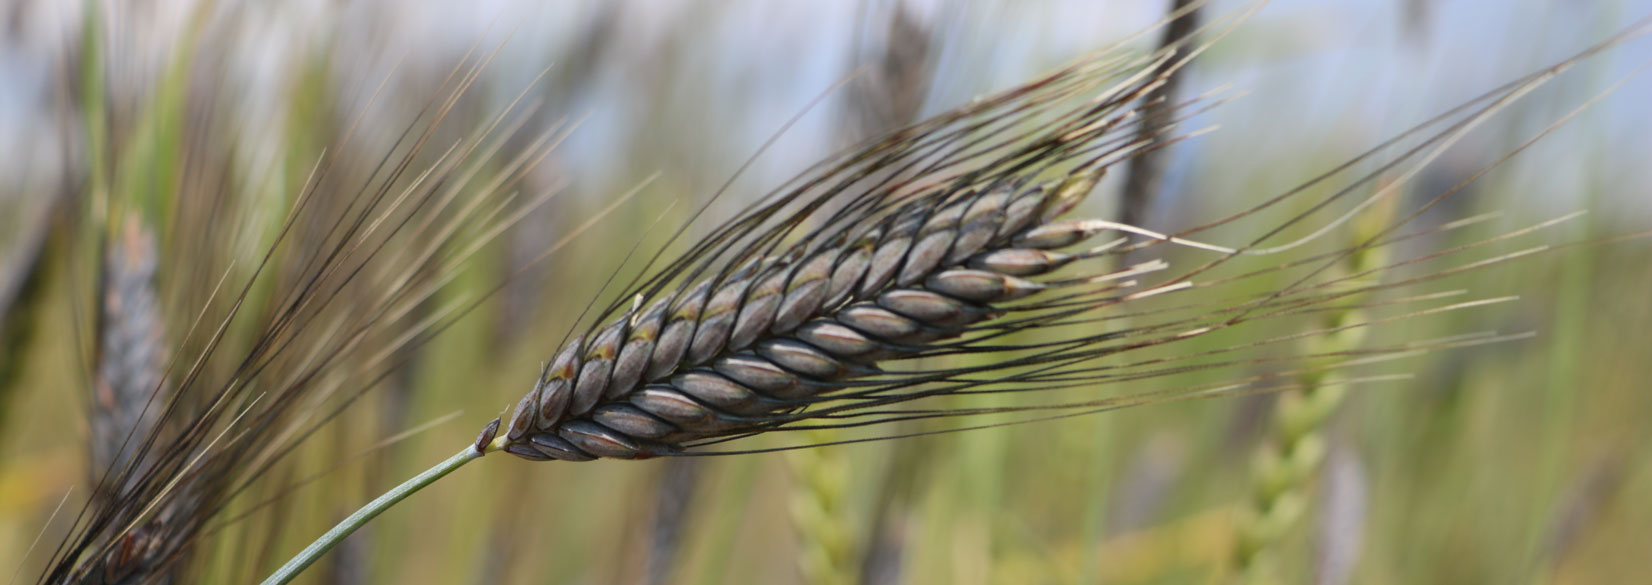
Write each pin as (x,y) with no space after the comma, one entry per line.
(1520,462)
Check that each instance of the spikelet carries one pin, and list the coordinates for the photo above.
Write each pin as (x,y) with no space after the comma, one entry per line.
(740,351)
(939,239)
(894,252)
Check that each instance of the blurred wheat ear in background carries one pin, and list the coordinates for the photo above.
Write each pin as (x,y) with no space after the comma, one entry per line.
(274,285)
(131,354)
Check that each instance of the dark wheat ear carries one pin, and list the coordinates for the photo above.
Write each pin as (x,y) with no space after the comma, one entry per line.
(889,252)
(744,352)
(126,393)
(940,239)
(127,397)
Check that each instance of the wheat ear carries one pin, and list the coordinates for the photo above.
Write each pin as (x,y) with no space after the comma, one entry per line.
(1294,453)
(126,396)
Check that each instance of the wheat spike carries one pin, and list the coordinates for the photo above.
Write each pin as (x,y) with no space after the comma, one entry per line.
(127,399)
(131,352)
(939,239)
(735,354)
(900,248)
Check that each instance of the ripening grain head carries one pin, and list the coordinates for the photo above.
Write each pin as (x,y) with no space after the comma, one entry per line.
(938,261)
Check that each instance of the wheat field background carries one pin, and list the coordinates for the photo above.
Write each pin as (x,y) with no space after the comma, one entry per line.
(178,133)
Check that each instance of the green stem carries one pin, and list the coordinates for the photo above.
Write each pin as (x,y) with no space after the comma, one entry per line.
(349,525)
